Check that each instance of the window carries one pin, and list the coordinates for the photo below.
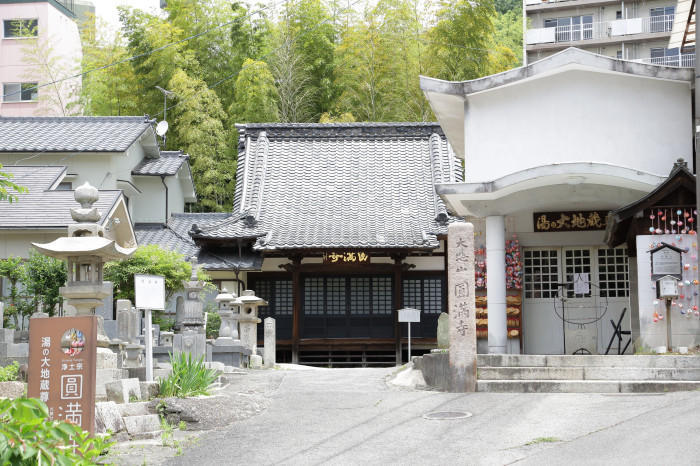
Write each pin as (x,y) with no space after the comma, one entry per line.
(16,28)
(278,294)
(19,92)
(661,19)
(340,296)
(664,56)
(572,28)
(426,294)
(619,54)
(618,14)
(541,273)
(613,273)
(577,261)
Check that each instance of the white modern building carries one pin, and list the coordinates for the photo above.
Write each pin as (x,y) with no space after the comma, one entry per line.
(549,149)
(632,30)
(39,44)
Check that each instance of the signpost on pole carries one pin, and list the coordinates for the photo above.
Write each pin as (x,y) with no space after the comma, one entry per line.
(149,292)
(409,315)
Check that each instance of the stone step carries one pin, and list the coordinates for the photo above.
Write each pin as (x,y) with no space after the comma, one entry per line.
(587,373)
(584,386)
(143,427)
(629,361)
(134,409)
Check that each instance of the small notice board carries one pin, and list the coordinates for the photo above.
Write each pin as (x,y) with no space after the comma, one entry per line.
(149,291)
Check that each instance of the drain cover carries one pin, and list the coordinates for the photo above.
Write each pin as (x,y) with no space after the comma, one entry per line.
(446,415)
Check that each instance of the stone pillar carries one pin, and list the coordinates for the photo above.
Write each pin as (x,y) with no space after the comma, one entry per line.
(496,283)
(461,289)
(123,320)
(270,348)
(443,331)
(634,304)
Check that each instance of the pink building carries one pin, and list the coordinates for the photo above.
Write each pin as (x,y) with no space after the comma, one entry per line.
(39,44)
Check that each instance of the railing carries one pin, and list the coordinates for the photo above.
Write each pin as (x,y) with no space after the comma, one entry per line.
(600,30)
(682,60)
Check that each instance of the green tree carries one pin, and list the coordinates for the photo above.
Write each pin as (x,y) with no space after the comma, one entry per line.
(13,270)
(508,39)
(43,277)
(309,24)
(111,91)
(199,121)
(255,98)
(458,44)
(7,186)
(152,260)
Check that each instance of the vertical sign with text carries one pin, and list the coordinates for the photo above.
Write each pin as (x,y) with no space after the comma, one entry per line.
(62,367)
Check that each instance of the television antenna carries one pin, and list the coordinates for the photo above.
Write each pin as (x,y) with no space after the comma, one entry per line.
(162,127)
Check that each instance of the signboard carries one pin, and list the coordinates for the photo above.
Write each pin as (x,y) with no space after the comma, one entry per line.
(409,315)
(346,257)
(62,365)
(667,287)
(149,291)
(666,260)
(583,220)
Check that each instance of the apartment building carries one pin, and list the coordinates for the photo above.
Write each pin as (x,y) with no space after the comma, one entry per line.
(39,43)
(636,31)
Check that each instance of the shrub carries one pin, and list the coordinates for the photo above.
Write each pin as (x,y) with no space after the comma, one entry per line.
(28,437)
(213,324)
(189,377)
(9,373)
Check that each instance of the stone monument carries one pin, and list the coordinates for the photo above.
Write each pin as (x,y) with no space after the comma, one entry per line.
(443,331)
(191,338)
(270,348)
(461,288)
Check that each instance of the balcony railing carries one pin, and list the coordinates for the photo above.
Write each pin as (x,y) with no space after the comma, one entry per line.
(682,60)
(600,30)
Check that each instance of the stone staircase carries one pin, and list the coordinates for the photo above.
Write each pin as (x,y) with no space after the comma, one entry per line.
(587,374)
(128,421)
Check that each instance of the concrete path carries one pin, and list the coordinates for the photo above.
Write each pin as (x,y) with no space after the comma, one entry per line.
(350,416)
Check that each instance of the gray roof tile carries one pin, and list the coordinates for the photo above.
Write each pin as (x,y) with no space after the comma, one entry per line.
(175,237)
(356,185)
(167,164)
(41,208)
(64,134)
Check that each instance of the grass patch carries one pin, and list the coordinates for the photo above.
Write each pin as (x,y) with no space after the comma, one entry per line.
(539,440)
(188,378)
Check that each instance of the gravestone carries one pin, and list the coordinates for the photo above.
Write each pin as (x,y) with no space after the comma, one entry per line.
(443,330)
(270,348)
(461,287)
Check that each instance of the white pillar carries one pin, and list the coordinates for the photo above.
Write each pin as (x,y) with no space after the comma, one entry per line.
(496,283)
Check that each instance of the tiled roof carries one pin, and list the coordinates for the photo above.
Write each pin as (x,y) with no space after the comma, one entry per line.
(41,208)
(175,237)
(167,164)
(65,134)
(355,185)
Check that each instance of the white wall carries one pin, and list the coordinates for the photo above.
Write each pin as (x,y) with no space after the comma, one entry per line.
(578,116)
(19,244)
(685,328)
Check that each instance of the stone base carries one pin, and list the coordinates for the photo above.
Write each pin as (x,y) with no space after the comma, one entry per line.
(190,342)
(106,359)
(104,376)
(255,361)
(162,353)
(235,355)
(123,391)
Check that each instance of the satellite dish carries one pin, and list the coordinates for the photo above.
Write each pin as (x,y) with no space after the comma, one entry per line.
(162,128)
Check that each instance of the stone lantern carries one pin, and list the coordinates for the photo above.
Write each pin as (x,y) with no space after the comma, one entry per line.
(228,331)
(249,320)
(85,250)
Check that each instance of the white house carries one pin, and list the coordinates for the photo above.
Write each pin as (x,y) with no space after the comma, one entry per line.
(111,153)
(548,150)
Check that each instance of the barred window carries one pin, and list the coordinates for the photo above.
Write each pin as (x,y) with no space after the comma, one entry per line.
(426,294)
(313,296)
(360,296)
(613,273)
(381,295)
(338,296)
(278,293)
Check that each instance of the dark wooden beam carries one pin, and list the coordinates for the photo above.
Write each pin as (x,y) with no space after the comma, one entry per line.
(398,303)
(296,306)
